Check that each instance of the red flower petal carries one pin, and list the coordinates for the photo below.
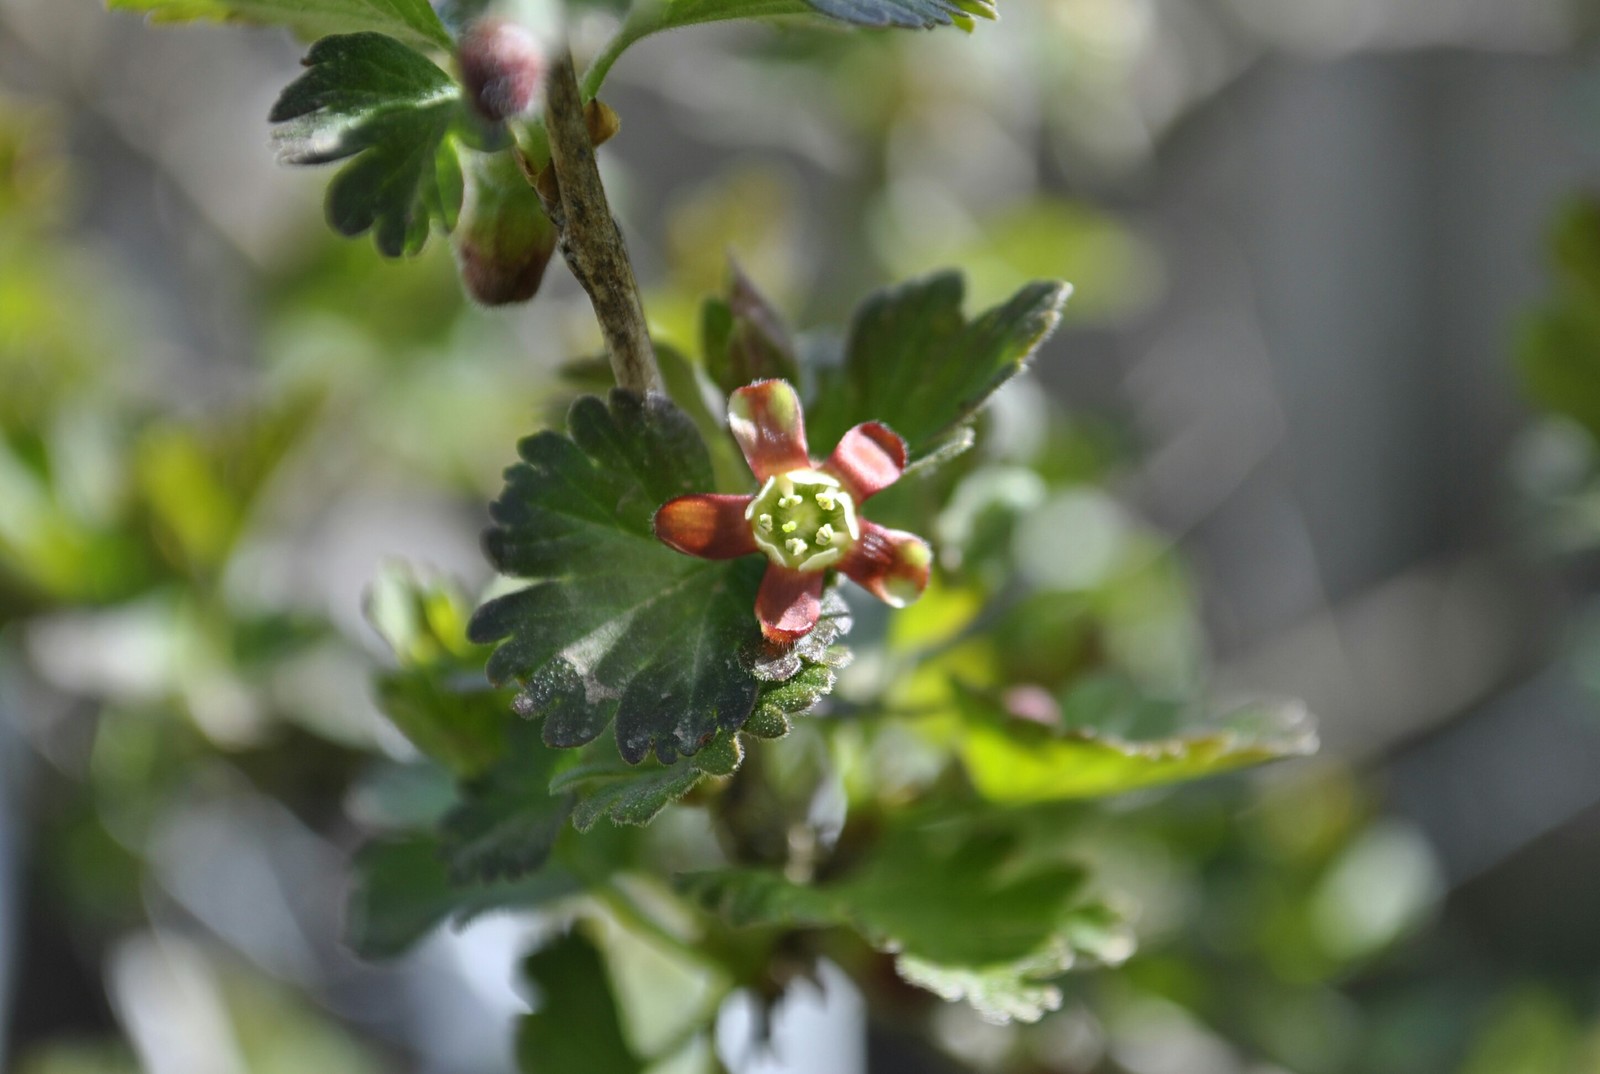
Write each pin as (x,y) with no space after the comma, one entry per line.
(892,565)
(869,459)
(771,429)
(789,603)
(708,526)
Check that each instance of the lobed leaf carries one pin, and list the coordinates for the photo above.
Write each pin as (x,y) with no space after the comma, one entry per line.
(606,787)
(413,21)
(617,627)
(370,97)
(914,362)
(966,909)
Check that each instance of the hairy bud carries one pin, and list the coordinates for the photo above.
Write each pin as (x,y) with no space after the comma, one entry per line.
(502,64)
(504,240)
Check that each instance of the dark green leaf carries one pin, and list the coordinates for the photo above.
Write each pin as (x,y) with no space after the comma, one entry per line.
(373,98)
(796,678)
(617,626)
(409,20)
(576,1028)
(605,786)
(914,362)
(508,820)
(1111,740)
(961,902)
(403,889)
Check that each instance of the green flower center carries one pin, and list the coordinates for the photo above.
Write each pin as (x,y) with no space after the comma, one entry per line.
(803,520)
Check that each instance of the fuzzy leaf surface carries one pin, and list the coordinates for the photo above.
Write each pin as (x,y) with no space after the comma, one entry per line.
(605,787)
(616,627)
(372,98)
(916,363)
(413,21)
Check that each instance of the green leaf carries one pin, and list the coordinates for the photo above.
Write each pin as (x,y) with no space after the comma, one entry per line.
(745,339)
(437,697)
(455,720)
(1559,349)
(373,98)
(617,627)
(403,889)
(910,14)
(914,361)
(607,787)
(1110,740)
(508,820)
(967,909)
(795,678)
(410,20)
(577,1026)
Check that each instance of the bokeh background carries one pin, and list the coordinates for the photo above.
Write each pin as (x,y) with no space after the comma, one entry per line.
(1309,239)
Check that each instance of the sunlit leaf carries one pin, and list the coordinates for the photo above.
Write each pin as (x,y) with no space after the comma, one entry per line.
(373,98)
(1109,740)
(617,627)
(916,363)
(409,20)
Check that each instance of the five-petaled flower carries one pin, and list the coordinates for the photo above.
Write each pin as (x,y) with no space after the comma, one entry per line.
(804,516)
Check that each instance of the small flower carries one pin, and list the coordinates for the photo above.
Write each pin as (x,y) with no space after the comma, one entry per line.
(804,516)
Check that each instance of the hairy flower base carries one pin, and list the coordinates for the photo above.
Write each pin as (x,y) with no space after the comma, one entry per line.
(803,520)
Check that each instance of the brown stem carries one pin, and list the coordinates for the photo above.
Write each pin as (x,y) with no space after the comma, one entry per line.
(590,239)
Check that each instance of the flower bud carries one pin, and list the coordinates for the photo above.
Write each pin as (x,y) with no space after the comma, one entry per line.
(503,241)
(502,65)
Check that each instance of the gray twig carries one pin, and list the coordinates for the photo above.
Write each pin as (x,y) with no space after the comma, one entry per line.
(591,242)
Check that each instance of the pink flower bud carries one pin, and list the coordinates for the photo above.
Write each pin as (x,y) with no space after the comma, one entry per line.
(502,64)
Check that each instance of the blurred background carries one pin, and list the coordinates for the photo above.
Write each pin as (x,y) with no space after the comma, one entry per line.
(1310,239)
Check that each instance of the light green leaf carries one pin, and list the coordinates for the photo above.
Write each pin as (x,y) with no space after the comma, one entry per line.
(914,361)
(437,696)
(577,1026)
(1110,741)
(617,627)
(409,20)
(373,98)
(965,907)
